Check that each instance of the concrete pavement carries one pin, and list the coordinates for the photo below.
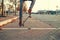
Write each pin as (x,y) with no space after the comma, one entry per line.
(53,20)
(25,34)
(20,33)
(30,23)
(39,21)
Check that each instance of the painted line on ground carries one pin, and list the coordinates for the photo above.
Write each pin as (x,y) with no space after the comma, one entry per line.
(31,28)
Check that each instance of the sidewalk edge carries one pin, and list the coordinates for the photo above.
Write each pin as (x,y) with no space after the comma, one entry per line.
(7,21)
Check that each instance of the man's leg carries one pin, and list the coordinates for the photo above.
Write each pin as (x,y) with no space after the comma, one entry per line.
(20,13)
(31,6)
(29,11)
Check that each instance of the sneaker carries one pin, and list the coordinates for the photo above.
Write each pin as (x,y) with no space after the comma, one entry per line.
(29,16)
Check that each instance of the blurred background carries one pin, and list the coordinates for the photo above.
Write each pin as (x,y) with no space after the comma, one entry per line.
(40,7)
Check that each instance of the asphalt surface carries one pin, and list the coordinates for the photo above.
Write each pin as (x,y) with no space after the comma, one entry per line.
(37,21)
(29,23)
(22,34)
(53,20)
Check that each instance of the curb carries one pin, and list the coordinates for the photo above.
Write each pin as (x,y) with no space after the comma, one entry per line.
(7,21)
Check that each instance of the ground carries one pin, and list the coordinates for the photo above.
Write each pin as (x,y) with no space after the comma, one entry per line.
(37,21)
